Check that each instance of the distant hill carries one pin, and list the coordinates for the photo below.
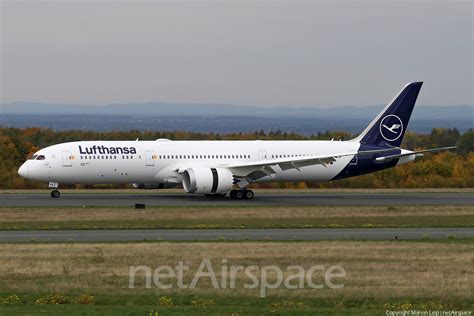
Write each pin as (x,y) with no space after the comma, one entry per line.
(214,109)
(221,118)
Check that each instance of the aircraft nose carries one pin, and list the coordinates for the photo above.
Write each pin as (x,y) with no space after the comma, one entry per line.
(24,171)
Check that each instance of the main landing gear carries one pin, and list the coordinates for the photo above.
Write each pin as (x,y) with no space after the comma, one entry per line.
(241,194)
(55,193)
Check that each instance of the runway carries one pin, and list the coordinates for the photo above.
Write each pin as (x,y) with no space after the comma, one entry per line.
(261,199)
(236,234)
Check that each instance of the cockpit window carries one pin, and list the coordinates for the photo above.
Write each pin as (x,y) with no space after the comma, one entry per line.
(33,157)
(41,157)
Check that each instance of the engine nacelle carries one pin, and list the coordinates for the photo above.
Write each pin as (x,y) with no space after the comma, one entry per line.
(207,180)
(167,185)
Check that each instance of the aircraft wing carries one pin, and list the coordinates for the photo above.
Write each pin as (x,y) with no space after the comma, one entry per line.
(264,167)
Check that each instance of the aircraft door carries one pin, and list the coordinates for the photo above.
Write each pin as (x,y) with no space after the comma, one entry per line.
(262,154)
(67,159)
(150,158)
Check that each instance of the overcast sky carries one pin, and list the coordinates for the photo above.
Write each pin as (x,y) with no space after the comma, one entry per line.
(312,53)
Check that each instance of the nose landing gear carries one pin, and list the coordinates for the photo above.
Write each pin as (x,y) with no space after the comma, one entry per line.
(55,193)
(241,194)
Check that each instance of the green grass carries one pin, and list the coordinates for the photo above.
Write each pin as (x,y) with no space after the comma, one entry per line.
(323,222)
(218,217)
(380,275)
(152,310)
(149,305)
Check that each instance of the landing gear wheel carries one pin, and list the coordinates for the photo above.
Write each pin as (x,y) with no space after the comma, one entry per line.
(248,194)
(239,194)
(55,194)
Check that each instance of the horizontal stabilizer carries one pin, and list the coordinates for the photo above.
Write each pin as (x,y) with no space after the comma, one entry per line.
(420,153)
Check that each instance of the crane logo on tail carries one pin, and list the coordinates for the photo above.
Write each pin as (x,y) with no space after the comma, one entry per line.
(391,127)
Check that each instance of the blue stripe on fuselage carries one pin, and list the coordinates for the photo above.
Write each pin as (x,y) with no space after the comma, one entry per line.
(366,162)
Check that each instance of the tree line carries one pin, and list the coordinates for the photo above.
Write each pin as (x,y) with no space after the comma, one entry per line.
(453,169)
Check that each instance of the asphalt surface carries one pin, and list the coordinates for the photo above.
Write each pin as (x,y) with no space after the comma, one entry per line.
(327,199)
(236,234)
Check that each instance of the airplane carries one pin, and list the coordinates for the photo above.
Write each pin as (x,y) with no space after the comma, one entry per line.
(227,167)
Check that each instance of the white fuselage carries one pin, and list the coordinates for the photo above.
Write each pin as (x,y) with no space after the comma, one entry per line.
(91,162)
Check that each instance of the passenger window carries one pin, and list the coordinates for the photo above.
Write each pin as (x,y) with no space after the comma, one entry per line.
(41,157)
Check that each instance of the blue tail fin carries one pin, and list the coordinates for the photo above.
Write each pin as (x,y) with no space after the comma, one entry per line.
(388,128)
